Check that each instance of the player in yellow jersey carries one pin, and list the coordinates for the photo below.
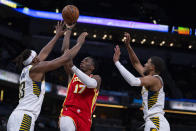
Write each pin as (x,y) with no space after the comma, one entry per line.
(32,84)
(153,95)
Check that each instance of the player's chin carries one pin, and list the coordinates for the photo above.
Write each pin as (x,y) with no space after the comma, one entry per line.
(146,73)
(83,68)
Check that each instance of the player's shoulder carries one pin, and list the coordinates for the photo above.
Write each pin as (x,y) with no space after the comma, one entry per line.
(97,77)
(152,79)
(148,77)
(157,78)
(26,69)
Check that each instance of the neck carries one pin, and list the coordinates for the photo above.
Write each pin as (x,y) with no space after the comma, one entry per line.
(87,72)
(152,73)
(34,63)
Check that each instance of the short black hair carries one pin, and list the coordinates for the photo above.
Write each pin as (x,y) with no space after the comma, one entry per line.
(23,56)
(94,62)
(158,63)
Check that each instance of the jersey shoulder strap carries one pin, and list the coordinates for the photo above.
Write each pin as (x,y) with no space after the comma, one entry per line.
(158,76)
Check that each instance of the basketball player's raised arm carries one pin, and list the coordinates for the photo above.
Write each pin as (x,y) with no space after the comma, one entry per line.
(47,49)
(132,56)
(80,42)
(65,47)
(129,77)
(46,66)
(149,82)
(66,40)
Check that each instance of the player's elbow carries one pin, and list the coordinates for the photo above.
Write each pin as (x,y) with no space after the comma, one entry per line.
(92,84)
(135,82)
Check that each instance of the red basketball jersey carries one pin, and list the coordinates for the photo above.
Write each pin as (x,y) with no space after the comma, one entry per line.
(81,97)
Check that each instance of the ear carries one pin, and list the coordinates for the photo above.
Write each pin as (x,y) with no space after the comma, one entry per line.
(152,67)
(35,60)
(92,67)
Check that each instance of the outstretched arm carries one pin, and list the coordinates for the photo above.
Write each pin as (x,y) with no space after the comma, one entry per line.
(150,82)
(131,79)
(93,82)
(66,40)
(38,70)
(80,41)
(65,47)
(45,66)
(47,49)
(132,56)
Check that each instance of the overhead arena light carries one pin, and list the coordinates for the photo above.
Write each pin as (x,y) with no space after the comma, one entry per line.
(163,42)
(94,36)
(96,20)
(57,10)
(133,40)
(190,46)
(110,37)
(152,42)
(143,41)
(171,44)
(75,33)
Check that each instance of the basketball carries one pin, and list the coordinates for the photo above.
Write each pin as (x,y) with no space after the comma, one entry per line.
(70,14)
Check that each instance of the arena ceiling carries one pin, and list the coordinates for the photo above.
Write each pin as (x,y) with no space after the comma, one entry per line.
(163,11)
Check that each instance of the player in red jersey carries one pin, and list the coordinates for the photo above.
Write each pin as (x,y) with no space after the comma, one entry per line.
(82,92)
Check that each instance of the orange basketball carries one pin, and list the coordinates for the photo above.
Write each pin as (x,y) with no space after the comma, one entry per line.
(70,14)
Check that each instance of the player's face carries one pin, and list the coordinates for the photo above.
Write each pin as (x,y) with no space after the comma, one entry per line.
(148,67)
(86,64)
(36,60)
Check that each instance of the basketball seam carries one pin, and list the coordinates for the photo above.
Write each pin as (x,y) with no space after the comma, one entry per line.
(75,15)
(72,12)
